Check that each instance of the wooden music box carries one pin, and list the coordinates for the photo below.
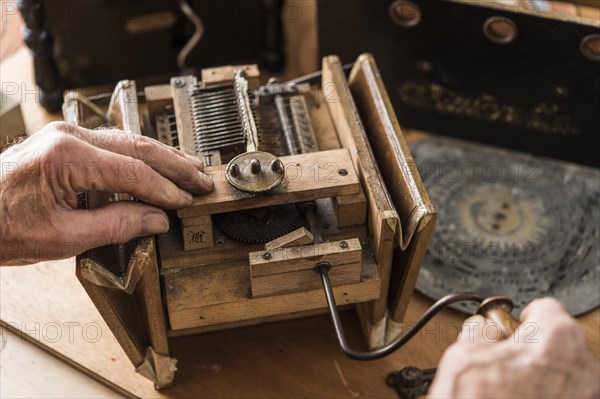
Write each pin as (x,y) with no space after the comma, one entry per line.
(307,172)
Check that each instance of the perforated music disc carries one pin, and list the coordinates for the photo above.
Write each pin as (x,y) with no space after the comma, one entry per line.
(510,224)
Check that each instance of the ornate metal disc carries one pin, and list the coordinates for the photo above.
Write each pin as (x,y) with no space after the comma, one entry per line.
(255,172)
(510,224)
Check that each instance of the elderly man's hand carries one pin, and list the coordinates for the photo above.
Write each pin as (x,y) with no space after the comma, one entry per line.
(41,176)
(547,357)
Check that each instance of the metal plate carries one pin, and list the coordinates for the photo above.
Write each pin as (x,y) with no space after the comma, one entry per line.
(510,224)
(240,173)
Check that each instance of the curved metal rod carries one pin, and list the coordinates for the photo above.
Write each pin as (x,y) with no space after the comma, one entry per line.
(198,32)
(323,270)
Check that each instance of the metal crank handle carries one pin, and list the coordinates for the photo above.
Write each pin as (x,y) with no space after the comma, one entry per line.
(497,309)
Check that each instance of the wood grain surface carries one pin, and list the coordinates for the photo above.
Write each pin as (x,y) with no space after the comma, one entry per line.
(44,305)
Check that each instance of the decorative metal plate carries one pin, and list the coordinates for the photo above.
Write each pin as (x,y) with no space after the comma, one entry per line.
(510,224)
(255,172)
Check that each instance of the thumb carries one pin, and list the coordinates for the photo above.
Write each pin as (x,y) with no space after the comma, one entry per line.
(115,223)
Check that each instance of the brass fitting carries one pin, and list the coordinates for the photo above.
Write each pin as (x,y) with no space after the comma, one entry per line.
(497,309)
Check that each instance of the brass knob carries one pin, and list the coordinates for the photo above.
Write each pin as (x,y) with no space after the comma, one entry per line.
(497,309)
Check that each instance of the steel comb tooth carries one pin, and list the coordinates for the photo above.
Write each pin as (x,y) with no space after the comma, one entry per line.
(215,118)
(167,128)
(218,124)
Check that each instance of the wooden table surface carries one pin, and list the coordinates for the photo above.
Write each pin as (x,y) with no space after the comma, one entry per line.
(297,358)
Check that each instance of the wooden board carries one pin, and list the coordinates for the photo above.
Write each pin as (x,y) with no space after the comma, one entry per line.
(292,358)
(221,293)
(304,280)
(351,210)
(173,256)
(297,237)
(196,221)
(30,372)
(399,171)
(224,74)
(382,217)
(286,270)
(284,260)
(198,237)
(308,177)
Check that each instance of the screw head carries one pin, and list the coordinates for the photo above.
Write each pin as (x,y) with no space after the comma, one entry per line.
(267,256)
(178,82)
(255,166)
(276,166)
(234,170)
(343,244)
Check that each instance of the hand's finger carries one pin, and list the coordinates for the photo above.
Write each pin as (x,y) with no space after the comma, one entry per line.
(183,170)
(543,308)
(113,224)
(89,136)
(121,174)
(545,320)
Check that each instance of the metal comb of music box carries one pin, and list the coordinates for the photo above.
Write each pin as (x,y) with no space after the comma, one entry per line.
(305,173)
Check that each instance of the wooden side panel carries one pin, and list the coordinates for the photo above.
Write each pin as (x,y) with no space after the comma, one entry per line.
(417,215)
(115,307)
(150,299)
(407,265)
(136,319)
(382,217)
(132,307)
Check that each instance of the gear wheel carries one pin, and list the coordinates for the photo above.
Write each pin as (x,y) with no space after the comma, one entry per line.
(261,225)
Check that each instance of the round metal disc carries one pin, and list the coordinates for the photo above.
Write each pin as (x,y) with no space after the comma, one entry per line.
(510,224)
(255,172)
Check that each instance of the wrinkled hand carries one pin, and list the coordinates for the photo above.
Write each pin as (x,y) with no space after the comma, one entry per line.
(41,176)
(547,357)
